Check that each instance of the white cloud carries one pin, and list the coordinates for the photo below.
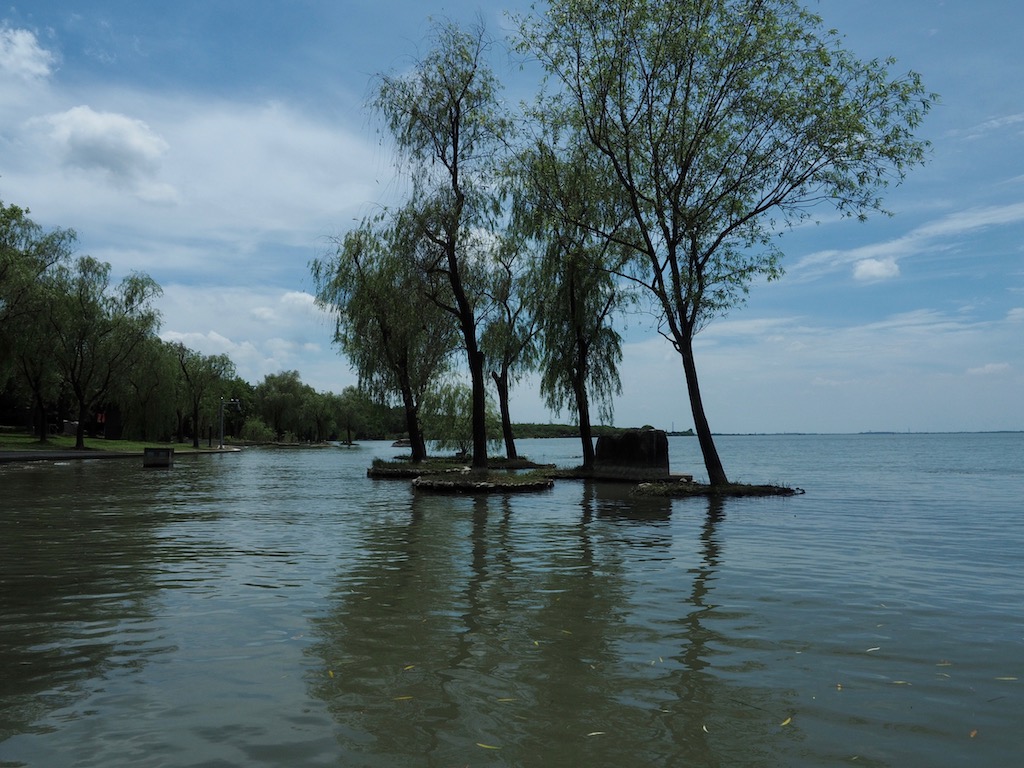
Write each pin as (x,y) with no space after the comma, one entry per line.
(873,270)
(987,127)
(22,57)
(126,150)
(262,330)
(989,370)
(970,220)
(878,261)
(903,371)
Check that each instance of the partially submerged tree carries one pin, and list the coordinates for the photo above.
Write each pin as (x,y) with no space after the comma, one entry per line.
(573,288)
(509,336)
(394,334)
(448,418)
(447,125)
(721,121)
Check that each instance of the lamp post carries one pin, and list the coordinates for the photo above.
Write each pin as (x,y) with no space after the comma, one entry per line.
(230,402)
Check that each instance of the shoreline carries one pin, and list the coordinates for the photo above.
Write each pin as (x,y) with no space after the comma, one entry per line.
(61,454)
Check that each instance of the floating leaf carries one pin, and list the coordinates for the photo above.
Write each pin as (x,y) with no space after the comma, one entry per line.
(974,733)
(407,668)
(330,673)
(787,721)
(487,746)
(403,698)
(507,698)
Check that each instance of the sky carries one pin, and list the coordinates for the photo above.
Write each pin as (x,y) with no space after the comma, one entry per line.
(220,145)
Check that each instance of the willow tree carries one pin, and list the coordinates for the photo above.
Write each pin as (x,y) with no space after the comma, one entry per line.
(574,291)
(722,122)
(395,336)
(445,117)
(28,256)
(99,331)
(510,332)
(201,379)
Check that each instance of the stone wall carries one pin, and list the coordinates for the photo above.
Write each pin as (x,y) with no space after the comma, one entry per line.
(643,452)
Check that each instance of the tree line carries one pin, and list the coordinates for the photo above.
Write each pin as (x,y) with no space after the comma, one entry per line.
(669,145)
(76,349)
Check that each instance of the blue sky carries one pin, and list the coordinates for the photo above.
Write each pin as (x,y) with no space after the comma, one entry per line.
(217,145)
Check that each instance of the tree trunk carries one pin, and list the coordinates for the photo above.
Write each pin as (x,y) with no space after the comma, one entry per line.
(195,425)
(713,464)
(412,425)
(501,381)
(40,409)
(467,323)
(586,433)
(80,431)
(476,371)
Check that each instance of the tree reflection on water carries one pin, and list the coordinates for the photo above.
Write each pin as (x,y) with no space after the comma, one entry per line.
(475,624)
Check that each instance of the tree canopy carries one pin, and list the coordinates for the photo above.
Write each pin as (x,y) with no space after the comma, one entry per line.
(720,123)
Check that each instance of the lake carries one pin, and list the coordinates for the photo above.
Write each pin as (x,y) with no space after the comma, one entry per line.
(278,608)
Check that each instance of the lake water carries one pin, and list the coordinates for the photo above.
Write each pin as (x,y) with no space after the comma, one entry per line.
(279,608)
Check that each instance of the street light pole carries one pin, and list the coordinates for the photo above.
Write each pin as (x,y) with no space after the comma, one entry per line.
(233,401)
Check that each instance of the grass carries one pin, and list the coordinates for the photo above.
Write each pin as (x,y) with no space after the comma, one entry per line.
(22,442)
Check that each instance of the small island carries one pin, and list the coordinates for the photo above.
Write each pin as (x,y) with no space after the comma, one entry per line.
(633,456)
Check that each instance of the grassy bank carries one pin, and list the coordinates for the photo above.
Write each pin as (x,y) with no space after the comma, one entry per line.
(21,442)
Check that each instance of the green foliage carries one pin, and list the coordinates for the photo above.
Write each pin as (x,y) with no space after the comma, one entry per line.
(99,332)
(27,255)
(202,379)
(255,430)
(573,286)
(279,401)
(448,418)
(394,334)
(147,391)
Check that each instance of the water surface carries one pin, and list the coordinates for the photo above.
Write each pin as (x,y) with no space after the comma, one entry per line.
(278,608)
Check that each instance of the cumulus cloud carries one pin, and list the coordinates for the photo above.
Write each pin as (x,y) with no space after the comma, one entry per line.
(262,330)
(123,148)
(874,270)
(290,306)
(22,57)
